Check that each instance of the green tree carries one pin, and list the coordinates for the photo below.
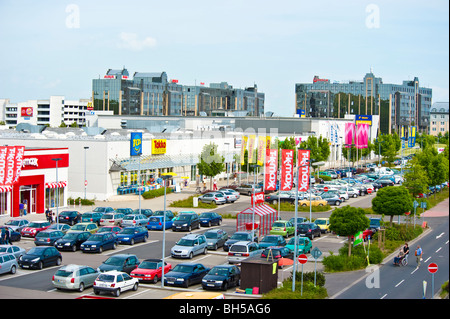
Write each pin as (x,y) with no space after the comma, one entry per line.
(211,163)
(416,178)
(320,148)
(436,165)
(392,201)
(347,221)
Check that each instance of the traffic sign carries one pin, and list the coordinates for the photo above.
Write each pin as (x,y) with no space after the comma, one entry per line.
(302,259)
(369,190)
(316,252)
(432,268)
(325,189)
(416,204)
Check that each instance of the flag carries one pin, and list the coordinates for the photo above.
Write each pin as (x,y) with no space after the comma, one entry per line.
(303,163)
(261,150)
(251,145)
(349,133)
(243,147)
(287,170)
(271,170)
(412,136)
(358,239)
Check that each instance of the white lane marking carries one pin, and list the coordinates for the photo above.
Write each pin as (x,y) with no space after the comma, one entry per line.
(399,283)
(383,296)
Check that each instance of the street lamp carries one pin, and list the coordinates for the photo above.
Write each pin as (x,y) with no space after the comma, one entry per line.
(228,174)
(85,164)
(165,177)
(57,197)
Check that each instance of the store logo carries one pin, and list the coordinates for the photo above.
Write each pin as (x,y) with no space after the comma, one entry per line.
(136,144)
(30,162)
(159,146)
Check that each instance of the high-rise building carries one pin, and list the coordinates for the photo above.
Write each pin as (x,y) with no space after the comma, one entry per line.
(408,103)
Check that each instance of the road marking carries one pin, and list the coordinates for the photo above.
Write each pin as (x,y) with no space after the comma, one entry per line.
(399,283)
(125,247)
(383,296)
(438,249)
(136,294)
(440,235)
(415,269)
(428,259)
(321,238)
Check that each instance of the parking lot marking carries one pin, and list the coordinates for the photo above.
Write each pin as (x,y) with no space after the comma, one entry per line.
(399,283)
(383,296)
(114,251)
(428,259)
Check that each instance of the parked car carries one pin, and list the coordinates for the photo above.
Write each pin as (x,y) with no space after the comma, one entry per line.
(90,227)
(120,262)
(283,228)
(208,219)
(247,189)
(131,235)
(332,199)
(70,217)
(103,210)
(235,192)
(230,197)
(17,224)
(239,236)
(315,201)
(8,263)
(323,223)
(12,249)
(299,220)
(156,223)
(189,246)
(150,270)
(109,229)
(272,240)
(186,274)
(309,230)
(33,228)
(385,182)
(47,237)
(353,192)
(99,243)
(115,282)
(186,221)
(243,250)
(375,224)
(216,198)
(282,196)
(222,277)
(111,219)
(134,220)
(215,238)
(74,277)
(125,211)
(169,214)
(61,227)
(143,211)
(40,257)
(72,241)
(91,217)
(304,245)
(14,235)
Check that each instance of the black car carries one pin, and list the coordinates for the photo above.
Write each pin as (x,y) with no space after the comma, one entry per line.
(14,235)
(222,277)
(121,262)
(70,217)
(385,182)
(309,230)
(186,274)
(186,221)
(40,257)
(239,236)
(47,237)
(72,241)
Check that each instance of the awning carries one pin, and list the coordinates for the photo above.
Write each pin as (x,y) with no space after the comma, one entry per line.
(260,210)
(56,185)
(5,189)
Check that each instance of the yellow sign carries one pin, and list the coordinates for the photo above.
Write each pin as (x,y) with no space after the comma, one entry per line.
(159,146)
(261,150)
(244,146)
(251,145)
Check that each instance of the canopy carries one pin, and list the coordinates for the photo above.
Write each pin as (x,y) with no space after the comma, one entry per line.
(265,216)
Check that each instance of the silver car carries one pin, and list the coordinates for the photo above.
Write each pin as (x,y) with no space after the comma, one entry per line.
(216,197)
(17,224)
(134,220)
(189,246)
(8,263)
(243,250)
(230,197)
(74,277)
(111,219)
(247,189)
(12,249)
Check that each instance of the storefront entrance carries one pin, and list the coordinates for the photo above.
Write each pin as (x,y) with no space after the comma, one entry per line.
(28,196)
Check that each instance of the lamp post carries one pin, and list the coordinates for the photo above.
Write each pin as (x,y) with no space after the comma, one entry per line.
(165,177)
(85,164)
(253,204)
(57,196)
(228,174)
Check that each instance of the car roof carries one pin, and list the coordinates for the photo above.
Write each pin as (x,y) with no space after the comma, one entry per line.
(244,243)
(113,272)
(215,230)
(73,267)
(123,255)
(192,236)
(153,259)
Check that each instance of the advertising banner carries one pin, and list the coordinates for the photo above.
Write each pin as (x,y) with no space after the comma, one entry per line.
(159,146)
(251,146)
(362,136)
(349,133)
(412,136)
(243,148)
(261,150)
(136,144)
(304,176)
(259,198)
(287,170)
(271,170)
(11,158)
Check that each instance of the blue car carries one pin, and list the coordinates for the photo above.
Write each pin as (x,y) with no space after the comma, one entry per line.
(222,277)
(97,243)
(272,240)
(185,274)
(130,235)
(91,217)
(210,218)
(169,214)
(156,223)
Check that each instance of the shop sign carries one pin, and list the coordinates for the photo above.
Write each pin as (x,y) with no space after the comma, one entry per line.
(136,144)
(159,146)
(26,111)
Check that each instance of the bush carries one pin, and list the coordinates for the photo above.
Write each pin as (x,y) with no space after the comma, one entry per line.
(288,207)
(309,290)
(84,202)
(189,203)
(309,276)
(156,192)
(357,260)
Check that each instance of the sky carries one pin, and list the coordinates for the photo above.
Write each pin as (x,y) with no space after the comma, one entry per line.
(56,47)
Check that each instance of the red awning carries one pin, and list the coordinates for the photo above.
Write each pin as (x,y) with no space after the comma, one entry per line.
(5,189)
(260,210)
(56,185)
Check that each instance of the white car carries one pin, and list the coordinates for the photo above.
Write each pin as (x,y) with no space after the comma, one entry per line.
(352,192)
(115,282)
(243,250)
(398,179)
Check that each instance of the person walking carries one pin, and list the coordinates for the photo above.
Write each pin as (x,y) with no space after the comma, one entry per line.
(7,237)
(418,253)
(48,215)
(215,184)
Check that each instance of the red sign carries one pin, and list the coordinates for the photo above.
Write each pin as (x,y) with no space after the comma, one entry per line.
(41,161)
(325,189)
(26,111)
(259,198)
(11,158)
(287,170)
(271,170)
(302,259)
(303,178)
(174,81)
(432,268)
(369,190)
(109,77)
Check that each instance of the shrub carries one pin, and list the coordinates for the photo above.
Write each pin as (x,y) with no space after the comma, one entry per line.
(84,202)
(309,291)
(156,192)
(189,203)
(309,276)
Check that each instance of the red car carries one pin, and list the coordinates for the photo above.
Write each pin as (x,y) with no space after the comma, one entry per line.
(109,229)
(150,270)
(33,228)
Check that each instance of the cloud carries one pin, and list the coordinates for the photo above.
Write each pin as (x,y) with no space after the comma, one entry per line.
(130,41)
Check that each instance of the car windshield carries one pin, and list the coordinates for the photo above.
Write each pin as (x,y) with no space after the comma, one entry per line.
(183,268)
(96,238)
(67,213)
(35,251)
(239,236)
(304,227)
(375,222)
(122,210)
(108,216)
(275,252)
(300,241)
(127,231)
(3,249)
(148,265)
(88,215)
(37,225)
(64,273)
(210,235)
(184,217)
(155,219)
(239,248)
(321,222)
(206,215)
(186,242)
(43,235)
(269,239)
(70,236)
(219,271)
(106,278)
(100,209)
(104,230)
(278,224)
(114,261)
(78,227)
(129,217)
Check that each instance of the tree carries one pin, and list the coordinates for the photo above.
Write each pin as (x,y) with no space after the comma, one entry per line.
(416,178)
(320,148)
(392,201)
(436,165)
(347,221)
(211,163)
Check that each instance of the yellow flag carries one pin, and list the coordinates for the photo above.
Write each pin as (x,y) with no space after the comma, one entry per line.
(243,148)
(261,150)
(251,146)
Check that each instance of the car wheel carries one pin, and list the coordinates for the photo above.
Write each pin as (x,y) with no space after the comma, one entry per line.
(100,250)
(81,287)
(209,224)
(215,247)
(191,255)
(40,265)
(312,236)
(189,229)
(97,292)
(13,269)
(74,248)
(225,286)
(115,246)
(132,241)
(186,283)
(249,193)
(321,204)
(58,261)
(117,292)
(205,251)
(155,279)
(338,203)
(274,202)
(135,287)
(354,195)
(304,205)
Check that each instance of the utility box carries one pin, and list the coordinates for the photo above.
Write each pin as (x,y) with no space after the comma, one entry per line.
(258,272)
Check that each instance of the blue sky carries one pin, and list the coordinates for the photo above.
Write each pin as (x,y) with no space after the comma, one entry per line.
(58,47)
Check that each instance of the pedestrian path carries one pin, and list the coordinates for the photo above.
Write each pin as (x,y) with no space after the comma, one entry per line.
(440,210)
